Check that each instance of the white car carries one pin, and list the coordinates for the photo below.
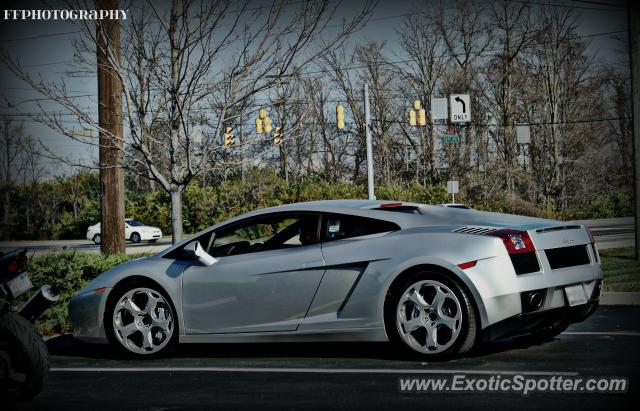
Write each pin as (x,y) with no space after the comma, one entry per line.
(133,230)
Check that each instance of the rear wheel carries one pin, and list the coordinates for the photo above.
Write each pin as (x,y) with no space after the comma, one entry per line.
(97,239)
(430,316)
(140,320)
(24,358)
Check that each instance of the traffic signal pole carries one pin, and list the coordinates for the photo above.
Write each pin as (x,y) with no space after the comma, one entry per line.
(367,126)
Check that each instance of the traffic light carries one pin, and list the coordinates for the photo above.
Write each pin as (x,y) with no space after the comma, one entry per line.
(277,136)
(267,125)
(229,139)
(259,126)
(422,117)
(412,118)
(340,116)
(417,115)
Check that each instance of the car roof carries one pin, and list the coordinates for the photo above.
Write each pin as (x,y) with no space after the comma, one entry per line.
(363,208)
(430,215)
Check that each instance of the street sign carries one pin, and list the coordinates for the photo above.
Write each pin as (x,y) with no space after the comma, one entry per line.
(452,187)
(460,108)
(523,134)
(439,109)
(450,139)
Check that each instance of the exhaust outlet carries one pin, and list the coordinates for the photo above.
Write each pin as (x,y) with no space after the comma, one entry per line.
(39,303)
(533,300)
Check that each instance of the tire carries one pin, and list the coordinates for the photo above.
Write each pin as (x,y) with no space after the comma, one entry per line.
(454,333)
(135,238)
(139,329)
(27,354)
(97,239)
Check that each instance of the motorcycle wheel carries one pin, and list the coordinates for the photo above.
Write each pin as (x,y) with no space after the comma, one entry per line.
(28,356)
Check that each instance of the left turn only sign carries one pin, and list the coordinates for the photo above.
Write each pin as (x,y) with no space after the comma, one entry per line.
(460,105)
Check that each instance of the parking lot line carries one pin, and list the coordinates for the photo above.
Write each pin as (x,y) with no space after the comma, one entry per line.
(307,370)
(610,333)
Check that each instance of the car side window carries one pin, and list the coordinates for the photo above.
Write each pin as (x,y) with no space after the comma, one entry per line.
(265,234)
(339,226)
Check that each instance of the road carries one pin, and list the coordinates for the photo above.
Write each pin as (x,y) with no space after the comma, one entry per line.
(341,376)
(609,233)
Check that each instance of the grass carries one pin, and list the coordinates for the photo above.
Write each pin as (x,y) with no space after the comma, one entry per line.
(621,270)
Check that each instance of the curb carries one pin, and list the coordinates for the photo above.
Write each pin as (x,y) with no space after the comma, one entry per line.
(619,298)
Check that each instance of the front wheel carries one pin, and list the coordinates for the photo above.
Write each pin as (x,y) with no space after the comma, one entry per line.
(135,238)
(141,321)
(97,239)
(24,359)
(430,316)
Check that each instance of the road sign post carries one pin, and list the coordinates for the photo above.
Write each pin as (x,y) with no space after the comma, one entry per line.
(367,126)
(452,188)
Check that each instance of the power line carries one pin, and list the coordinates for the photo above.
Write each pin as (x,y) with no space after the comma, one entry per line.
(64,33)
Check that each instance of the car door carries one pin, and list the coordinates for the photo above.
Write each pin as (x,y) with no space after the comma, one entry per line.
(347,253)
(127,230)
(259,283)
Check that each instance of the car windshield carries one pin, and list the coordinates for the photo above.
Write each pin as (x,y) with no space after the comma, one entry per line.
(134,223)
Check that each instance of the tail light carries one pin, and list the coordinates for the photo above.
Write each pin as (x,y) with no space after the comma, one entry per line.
(17,265)
(516,241)
(591,239)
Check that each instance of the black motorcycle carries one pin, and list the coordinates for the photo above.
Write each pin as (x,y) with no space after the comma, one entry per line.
(24,359)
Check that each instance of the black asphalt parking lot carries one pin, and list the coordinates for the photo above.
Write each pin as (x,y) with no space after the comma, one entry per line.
(340,376)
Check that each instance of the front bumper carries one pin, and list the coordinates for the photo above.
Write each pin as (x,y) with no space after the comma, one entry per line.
(86,312)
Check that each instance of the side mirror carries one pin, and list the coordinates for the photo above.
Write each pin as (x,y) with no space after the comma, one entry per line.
(195,250)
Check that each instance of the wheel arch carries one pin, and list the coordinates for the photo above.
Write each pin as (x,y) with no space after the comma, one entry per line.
(142,280)
(463,282)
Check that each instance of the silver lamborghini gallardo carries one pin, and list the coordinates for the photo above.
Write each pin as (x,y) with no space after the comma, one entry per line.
(432,280)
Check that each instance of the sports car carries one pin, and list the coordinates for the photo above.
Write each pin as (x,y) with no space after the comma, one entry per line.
(433,281)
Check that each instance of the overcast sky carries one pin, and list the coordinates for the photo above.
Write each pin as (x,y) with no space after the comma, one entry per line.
(45,48)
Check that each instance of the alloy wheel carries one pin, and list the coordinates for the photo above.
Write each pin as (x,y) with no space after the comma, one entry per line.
(143,321)
(429,317)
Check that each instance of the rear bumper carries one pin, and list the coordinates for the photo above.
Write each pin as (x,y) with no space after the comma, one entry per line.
(531,322)
(499,290)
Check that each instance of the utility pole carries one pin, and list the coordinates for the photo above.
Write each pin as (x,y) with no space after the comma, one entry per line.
(634,58)
(367,126)
(111,150)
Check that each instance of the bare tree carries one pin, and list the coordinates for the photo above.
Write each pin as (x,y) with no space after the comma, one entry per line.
(514,32)
(177,61)
(466,35)
(428,59)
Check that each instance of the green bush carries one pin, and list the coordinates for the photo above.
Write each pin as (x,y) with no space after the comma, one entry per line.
(67,272)
(65,207)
